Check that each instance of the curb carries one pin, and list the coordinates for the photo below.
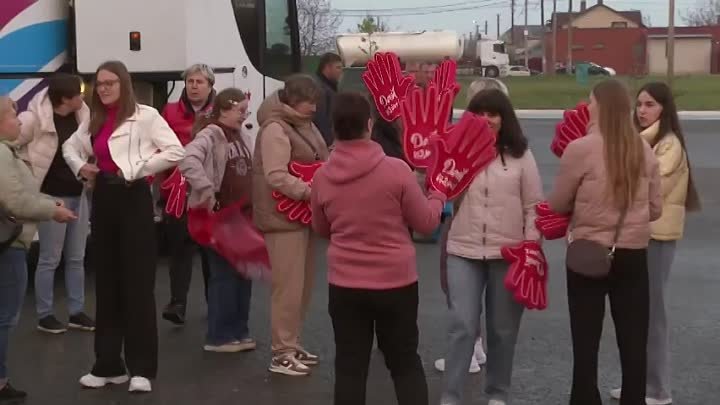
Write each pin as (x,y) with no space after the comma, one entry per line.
(557,114)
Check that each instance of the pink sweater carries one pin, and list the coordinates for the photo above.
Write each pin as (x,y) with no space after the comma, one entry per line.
(105,162)
(364,202)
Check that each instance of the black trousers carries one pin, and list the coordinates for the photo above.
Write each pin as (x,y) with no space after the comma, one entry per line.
(627,287)
(181,249)
(125,261)
(357,315)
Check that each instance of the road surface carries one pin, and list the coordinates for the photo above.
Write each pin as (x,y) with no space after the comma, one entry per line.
(49,366)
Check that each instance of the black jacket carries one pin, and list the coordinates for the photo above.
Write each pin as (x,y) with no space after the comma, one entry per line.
(323,114)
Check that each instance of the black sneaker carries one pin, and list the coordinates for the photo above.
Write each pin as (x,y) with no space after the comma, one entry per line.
(50,324)
(175,313)
(8,393)
(81,321)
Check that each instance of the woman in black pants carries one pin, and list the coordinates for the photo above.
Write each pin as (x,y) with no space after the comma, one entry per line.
(128,142)
(609,181)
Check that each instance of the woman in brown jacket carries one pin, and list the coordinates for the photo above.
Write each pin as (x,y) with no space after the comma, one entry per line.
(287,134)
(608,172)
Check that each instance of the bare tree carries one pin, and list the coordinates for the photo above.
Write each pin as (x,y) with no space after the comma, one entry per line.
(319,24)
(704,13)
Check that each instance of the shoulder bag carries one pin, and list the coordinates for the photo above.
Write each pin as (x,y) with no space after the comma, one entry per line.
(591,259)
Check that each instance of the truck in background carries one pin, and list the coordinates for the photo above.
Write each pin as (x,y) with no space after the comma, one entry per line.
(482,57)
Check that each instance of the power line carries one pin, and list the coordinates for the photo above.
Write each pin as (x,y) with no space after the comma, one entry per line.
(415,8)
(415,13)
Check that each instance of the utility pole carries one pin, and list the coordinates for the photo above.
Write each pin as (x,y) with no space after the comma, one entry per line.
(486,27)
(671,45)
(542,33)
(554,39)
(498,26)
(569,38)
(512,22)
(525,34)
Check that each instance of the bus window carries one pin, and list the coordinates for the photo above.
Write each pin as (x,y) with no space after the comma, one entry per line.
(248,21)
(278,40)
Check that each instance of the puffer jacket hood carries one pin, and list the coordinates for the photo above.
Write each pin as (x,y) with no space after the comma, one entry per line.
(274,109)
(351,160)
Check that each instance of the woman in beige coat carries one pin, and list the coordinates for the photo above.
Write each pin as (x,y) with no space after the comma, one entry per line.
(657,119)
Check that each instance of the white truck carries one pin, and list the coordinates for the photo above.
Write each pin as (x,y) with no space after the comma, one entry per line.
(488,56)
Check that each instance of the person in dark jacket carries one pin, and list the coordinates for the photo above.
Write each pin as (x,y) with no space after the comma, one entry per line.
(329,73)
(388,135)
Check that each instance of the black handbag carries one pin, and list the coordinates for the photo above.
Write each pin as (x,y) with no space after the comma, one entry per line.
(591,259)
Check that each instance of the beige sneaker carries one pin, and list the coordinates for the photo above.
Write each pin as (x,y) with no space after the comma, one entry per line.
(287,364)
(232,347)
(306,357)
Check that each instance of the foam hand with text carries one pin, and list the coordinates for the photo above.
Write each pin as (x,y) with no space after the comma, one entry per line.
(175,191)
(424,116)
(446,78)
(466,150)
(527,275)
(386,83)
(294,210)
(574,125)
(551,224)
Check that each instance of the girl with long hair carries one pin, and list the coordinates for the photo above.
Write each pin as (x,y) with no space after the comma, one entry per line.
(121,145)
(609,181)
(657,120)
(497,210)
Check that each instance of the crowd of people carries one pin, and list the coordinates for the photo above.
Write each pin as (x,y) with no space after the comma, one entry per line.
(76,169)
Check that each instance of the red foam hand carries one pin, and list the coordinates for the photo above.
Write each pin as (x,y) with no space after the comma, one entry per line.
(446,78)
(573,126)
(387,84)
(294,210)
(176,193)
(465,151)
(424,117)
(527,275)
(551,224)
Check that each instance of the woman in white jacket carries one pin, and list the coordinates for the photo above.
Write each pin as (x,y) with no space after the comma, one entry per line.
(123,143)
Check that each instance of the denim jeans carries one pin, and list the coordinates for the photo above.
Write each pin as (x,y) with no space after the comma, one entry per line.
(468,281)
(228,302)
(68,241)
(13,283)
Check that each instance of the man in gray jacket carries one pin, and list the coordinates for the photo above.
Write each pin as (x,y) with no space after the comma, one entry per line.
(329,73)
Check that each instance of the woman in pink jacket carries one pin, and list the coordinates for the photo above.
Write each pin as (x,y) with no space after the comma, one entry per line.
(497,210)
(364,202)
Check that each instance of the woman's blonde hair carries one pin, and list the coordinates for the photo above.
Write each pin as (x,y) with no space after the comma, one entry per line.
(624,149)
(485,83)
(7,104)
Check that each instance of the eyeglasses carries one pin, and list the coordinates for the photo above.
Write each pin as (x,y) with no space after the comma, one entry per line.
(107,83)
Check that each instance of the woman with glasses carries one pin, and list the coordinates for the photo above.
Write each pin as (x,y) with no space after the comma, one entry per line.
(127,142)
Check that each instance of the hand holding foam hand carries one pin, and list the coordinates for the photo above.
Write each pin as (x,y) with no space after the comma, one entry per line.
(466,150)
(175,188)
(550,224)
(297,211)
(387,84)
(574,125)
(424,117)
(527,275)
(446,78)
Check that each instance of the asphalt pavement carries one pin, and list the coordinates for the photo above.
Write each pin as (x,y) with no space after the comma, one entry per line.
(49,366)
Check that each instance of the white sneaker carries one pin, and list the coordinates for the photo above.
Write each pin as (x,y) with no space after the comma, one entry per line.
(140,384)
(496,402)
(617,394)
(92,381)
(474,366)
(232,347)
(480,355)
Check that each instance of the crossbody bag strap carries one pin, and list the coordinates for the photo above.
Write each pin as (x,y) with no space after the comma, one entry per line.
(312,147)
(618,227)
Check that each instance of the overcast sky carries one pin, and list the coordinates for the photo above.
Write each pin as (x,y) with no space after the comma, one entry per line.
(464,12)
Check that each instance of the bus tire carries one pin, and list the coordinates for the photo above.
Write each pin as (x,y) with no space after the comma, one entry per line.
(492,71)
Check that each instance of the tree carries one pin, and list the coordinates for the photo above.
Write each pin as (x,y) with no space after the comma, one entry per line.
(319,24)
(704,13)
(371,25)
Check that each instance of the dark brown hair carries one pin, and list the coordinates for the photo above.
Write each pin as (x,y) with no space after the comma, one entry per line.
(327,59)
(299,88)
(350,116)
(63,85)
(511,139)
(624,150)
(670,123)
(224,101)
(126,103)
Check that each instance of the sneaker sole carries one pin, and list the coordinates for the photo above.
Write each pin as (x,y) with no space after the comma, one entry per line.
(233,349)
(51,331)
(310,362)
(109,381)
(288,372)
(77,326)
